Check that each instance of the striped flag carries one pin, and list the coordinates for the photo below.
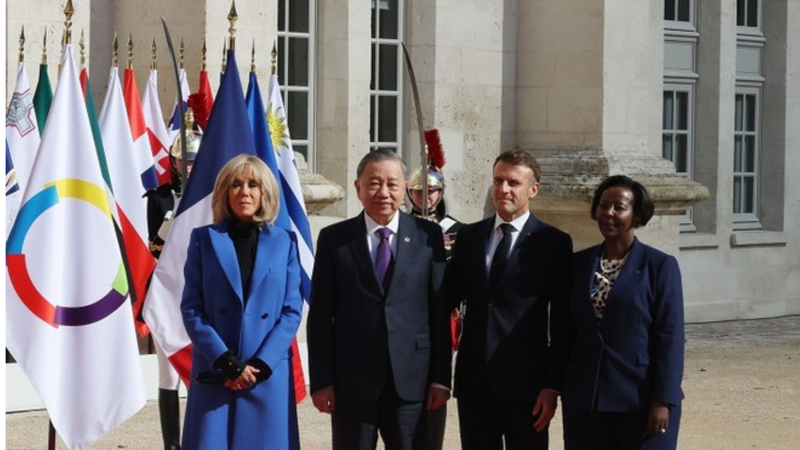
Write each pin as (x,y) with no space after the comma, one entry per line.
(120,155)
(227,135)
(144,164)
(290,182)
(68,316)
(157,134)
(263,140)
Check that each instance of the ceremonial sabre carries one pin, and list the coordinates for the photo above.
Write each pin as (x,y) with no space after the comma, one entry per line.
(422,148)
(181,109)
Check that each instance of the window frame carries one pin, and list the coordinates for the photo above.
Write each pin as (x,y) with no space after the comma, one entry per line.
(687,86)
(283,74)
(375,94)
(682,25)
(748,220)
(757,30)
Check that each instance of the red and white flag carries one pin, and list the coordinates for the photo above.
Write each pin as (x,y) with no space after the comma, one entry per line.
(143,157)
(156,129)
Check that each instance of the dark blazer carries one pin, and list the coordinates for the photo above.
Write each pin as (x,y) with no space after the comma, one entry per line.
(635,354)
(218,318)
(506,344)
(357,332)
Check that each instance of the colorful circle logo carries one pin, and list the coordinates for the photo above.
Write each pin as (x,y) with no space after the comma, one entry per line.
(16,262)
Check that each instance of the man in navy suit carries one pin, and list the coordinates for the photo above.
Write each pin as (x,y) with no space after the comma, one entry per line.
(513,272)
(378,327)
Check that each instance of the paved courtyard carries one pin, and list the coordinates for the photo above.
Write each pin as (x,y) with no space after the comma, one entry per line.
(742,387)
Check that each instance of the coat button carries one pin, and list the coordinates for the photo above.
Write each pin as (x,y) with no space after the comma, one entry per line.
(265,315)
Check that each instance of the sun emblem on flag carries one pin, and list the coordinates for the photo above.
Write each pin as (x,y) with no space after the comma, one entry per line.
(278,129)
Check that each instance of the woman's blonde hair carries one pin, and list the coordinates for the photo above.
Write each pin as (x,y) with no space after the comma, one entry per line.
(245,164)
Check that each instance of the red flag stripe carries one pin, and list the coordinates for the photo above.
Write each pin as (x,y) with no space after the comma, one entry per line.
(133,104)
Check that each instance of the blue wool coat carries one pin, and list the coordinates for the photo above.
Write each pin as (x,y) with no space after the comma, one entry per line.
(218,319)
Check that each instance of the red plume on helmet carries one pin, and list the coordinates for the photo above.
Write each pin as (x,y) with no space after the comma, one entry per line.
(435,150)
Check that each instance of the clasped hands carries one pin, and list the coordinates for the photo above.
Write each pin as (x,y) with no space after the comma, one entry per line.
(246,379)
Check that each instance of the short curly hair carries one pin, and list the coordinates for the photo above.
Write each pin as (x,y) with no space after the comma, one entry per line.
(643,207)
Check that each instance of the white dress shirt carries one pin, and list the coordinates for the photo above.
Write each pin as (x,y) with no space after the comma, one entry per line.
(373,239)
(497,236)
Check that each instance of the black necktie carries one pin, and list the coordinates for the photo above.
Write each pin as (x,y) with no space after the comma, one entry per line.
(500,255)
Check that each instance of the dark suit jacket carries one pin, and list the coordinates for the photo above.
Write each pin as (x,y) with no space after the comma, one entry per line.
(635,354)
(507,349)
(357,332)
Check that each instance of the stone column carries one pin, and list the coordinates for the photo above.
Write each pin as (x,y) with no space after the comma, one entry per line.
(343,77)
(473,91)
(590,79)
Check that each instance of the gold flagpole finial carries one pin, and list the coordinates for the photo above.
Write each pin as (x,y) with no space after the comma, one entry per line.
(205,49)
(253,57)
(44,47)
(182,53)
(115,51)
(130,51)
(274,54)
(154,61)
(232,17)
(22,45)
(82,44)
(224,54)
(69,10)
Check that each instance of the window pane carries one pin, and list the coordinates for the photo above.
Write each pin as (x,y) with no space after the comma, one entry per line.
(298,62)
(374,18)
(387,113)
(666,147)
(388,68)
(302,149)
(669,10)
(748,192)
(737,154)
(297,110)
(389,18)
(737,195)
(683,10)
(282,50)
(682,110)
(372,65)
(298,15)
(681,151)
(282,15)
(749,155)
(668,108)
(752,13)
(740,11)
(372,101)
(738,121)
(750,112)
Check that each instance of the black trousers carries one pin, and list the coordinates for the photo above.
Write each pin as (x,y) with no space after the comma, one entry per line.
(617,431)
(487,423)
(356,424)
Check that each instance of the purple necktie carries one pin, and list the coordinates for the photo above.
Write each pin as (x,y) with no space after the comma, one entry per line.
(383,258)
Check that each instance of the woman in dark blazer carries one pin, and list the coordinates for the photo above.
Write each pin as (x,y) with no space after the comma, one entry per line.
(623,385)
(241,307)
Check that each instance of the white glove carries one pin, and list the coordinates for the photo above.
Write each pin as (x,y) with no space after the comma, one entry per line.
(163,230)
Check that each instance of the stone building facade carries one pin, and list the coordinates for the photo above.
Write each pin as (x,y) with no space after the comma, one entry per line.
(698,99)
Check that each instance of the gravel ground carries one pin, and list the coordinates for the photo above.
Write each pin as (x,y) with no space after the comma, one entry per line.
(742,387)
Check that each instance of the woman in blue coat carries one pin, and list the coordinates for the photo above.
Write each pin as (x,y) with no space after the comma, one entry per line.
(623,385)
(241,307)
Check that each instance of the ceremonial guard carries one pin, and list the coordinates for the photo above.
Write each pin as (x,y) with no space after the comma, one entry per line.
(161,205)
(435,210)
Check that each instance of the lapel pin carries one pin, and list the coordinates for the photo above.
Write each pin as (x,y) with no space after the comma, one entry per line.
(407,239)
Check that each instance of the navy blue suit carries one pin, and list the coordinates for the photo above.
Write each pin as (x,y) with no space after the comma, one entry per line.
(633,356)
(366,341)
(510,348)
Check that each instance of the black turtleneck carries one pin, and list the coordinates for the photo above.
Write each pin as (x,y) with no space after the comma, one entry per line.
(244,237)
